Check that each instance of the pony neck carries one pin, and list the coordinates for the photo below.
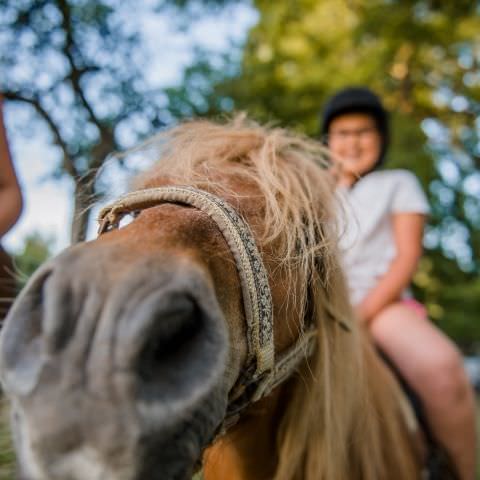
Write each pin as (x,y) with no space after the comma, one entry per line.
(248,450)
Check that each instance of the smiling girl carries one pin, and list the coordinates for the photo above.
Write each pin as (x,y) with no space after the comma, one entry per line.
(385,212)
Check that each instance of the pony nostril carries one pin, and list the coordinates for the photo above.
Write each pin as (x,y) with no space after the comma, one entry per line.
(172,335)
(165,338)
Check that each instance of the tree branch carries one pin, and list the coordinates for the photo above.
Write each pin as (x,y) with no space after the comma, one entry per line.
(68,164)
(106,134)
(102,149)
(76,73)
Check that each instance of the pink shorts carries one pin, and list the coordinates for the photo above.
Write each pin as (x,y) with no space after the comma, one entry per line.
(416,306)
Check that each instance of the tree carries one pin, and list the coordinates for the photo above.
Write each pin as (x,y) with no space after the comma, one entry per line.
(79,65)
(73,63)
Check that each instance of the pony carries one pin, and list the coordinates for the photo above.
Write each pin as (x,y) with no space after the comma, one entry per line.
(137,355)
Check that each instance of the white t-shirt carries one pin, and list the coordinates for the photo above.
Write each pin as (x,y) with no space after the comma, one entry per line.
(366,234)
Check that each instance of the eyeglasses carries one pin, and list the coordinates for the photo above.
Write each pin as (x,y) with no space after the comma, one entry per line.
(365,133)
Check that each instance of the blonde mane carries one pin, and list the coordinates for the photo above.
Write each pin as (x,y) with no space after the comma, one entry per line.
(349,418)
(288,174)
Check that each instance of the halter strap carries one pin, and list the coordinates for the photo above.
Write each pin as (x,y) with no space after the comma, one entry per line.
(261,373)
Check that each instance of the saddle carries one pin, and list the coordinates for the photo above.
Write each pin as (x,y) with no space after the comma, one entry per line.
(438,464)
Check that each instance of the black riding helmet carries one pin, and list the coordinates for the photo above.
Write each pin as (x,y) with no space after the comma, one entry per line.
(357,100)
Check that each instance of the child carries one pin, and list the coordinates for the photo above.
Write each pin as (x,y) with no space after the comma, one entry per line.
(382,242)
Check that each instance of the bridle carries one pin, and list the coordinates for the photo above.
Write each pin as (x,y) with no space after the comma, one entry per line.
(263,370)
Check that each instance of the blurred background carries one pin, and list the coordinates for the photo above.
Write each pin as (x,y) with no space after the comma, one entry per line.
(84,78)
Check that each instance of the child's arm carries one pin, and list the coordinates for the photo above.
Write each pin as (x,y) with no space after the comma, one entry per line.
(408,235)
(10,194)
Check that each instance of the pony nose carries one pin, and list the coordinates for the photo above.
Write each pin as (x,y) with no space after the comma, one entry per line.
(153,343)
(154,324)
(159,334)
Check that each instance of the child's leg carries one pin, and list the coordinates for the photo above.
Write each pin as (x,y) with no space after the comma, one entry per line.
(433,366)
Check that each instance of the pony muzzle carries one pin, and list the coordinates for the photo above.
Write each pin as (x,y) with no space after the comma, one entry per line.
(137,381)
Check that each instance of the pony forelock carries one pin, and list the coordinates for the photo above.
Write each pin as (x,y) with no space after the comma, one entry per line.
(289,173)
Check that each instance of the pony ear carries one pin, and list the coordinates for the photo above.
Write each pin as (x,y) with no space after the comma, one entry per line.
(21,339)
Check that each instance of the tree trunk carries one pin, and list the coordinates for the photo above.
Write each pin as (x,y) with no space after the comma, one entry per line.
(84,198)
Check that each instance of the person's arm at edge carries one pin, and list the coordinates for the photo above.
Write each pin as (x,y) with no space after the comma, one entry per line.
(11,201)
(408,235)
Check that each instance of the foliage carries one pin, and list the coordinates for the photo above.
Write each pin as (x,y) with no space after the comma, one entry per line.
(36,250)
(73,63)
(423,58)
(79,65)
(7,457)
(199,4)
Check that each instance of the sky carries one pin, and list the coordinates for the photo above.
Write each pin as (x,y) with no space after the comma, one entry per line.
(48,203)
